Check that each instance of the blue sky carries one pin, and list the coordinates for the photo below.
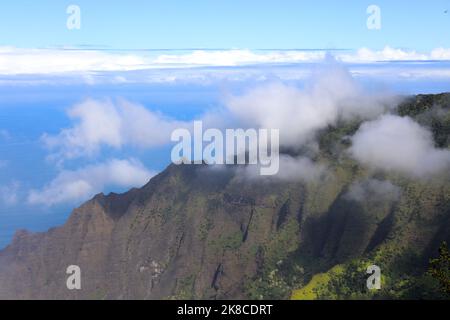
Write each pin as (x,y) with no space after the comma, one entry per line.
(252,24)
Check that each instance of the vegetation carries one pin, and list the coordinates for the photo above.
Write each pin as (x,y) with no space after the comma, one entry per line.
(339,239)
(440,268)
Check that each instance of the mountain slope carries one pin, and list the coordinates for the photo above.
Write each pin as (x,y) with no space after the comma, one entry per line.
(204,233)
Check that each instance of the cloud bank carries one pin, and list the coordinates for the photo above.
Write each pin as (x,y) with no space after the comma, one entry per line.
(22,61)
(16,61)
(394,54)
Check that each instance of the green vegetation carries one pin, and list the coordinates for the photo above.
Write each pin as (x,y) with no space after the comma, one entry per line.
(313,290)
(440,268)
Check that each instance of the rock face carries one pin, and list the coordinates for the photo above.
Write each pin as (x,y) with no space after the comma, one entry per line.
(204,233)
(190,232)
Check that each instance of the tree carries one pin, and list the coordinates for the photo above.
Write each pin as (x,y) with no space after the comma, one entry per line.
(440,268)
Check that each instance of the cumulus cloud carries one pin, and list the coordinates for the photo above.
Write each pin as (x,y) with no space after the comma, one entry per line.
(332,95)
(81,184)
(400,144)
(382,190)
(99,123)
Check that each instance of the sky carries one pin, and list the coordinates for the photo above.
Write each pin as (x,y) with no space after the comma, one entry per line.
(90,110)
(250,24)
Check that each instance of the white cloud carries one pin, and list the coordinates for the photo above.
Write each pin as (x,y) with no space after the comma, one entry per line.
(247,57)
(22,61)
(331,95)
(440,54)
(46,61)
(387,54)
(111,124)
(398,144)
(237,57)
(99,122)
(393,54)
(81,184)
(9,193)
